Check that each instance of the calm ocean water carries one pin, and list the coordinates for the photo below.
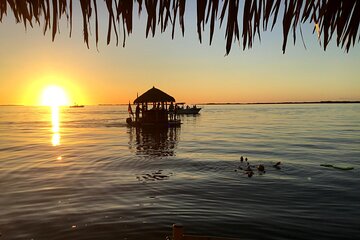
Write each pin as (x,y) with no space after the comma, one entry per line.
(83,174)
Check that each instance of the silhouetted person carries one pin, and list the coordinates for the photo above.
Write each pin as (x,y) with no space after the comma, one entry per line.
(137,112)
(171,110)
(175,112)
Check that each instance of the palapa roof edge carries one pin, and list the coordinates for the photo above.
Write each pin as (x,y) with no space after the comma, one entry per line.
(154,95)
(330,18)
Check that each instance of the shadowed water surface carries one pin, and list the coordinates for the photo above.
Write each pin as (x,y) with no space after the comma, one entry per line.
(95,178)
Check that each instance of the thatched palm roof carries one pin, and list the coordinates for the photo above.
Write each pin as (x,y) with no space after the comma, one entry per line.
(329,17)
(154,95)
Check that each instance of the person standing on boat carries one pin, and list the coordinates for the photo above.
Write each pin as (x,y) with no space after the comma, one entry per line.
(175,111)
(171,110)
(137,112)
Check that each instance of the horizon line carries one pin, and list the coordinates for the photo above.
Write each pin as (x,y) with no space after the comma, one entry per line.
(208,103)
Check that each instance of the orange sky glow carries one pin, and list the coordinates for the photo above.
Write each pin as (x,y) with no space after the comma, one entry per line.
(189,71)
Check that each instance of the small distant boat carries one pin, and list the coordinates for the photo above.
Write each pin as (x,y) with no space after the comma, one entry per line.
(77,106)
(180,109)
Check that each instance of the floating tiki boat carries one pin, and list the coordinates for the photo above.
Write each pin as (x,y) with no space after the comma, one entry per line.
(181,109)
(154,109)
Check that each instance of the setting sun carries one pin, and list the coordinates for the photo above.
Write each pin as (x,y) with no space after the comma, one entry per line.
(54,96)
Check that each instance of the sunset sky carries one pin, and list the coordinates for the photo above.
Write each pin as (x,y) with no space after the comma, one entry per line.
(184,68)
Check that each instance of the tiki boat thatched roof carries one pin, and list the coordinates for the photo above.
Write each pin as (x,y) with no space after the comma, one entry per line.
(154,95)
(329,17)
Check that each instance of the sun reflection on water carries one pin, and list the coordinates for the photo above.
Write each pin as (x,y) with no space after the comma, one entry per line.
(55,120)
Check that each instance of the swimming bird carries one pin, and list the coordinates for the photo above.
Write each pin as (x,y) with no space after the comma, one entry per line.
(277,165)
(250,173)
(261,168)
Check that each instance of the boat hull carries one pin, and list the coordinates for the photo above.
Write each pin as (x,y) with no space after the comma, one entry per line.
(169,124)
(188,111)
(77,106)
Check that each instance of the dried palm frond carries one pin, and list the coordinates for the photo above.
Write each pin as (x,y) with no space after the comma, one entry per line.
(329,17)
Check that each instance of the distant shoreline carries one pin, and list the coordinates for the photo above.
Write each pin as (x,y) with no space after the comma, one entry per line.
(267,103)
(251,103)
(11,105)
(219,103)
(112,104)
